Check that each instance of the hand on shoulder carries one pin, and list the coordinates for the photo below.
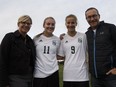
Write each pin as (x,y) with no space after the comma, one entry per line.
(61,36)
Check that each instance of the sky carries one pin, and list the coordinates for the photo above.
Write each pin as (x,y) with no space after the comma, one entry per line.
(38,10)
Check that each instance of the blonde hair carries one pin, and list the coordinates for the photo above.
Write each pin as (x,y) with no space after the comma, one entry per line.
(71,15)
(25,18)
(46,19)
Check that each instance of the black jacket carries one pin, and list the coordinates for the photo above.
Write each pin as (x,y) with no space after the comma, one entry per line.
(17,56)
(102,49)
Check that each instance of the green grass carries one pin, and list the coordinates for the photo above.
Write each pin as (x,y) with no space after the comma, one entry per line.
(61,74)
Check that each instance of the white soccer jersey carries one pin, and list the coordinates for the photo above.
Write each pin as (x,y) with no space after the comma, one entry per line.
(46,51)
(74,51)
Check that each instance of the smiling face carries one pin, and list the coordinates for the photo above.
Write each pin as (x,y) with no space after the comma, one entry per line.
(49,25)
(71,23)
(92,17)
(24,24)
(24,27)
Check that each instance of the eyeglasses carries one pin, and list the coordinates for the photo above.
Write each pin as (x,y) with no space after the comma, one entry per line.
(93,16)
(25,23)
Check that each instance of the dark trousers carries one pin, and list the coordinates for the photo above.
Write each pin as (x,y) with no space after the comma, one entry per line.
(109,81)
(20,81)
(50,81)
(76,84)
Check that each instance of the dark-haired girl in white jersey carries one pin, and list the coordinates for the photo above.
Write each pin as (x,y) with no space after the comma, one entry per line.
(73,49)
(46,66)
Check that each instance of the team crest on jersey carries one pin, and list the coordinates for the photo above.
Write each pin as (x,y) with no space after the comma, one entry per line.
(40,41)
(66,41)
(80,40)
(54,42)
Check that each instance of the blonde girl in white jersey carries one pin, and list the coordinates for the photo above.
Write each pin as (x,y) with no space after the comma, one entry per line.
(46,66)
(73,49)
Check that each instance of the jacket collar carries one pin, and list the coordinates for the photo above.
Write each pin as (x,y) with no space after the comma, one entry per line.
(17,34)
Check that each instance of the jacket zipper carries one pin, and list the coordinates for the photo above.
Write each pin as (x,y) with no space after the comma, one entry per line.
(94,47)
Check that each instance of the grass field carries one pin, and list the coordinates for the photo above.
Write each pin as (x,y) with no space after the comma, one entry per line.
(60,74)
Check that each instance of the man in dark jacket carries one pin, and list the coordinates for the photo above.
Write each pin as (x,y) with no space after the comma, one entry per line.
(101,39)
(17,56)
